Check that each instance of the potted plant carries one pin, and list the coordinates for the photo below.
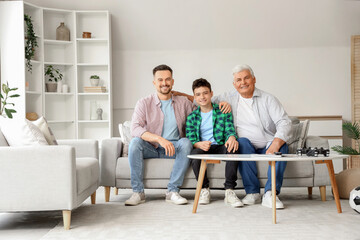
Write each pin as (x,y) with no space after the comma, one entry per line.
(53,76)
(31,42)
(94,80)
(4,98)
(351,130)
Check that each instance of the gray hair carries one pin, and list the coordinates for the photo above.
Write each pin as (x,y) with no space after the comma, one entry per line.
(240,68)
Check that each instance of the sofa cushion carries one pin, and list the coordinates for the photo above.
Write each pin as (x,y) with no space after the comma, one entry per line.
(21,132)
(42,124)
(154,168)
(160,168)
(87,173)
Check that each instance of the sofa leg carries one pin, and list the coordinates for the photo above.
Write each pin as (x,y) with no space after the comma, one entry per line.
(323,193)
(107,194)
(309,192)
(66,219)
(116,191)
(93,198)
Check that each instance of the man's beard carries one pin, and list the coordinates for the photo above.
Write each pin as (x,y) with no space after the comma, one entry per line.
(167,91)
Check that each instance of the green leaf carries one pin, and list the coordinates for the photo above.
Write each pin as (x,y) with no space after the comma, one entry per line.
(15,95)
(1,96)
(345,150)
(352,130)
(13,89)
(12,110)
(3,87)
(8,113)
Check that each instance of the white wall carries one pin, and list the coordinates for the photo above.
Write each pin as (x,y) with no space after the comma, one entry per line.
(299,50)
(12,49)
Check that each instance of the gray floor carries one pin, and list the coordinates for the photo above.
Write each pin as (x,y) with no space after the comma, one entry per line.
(303,218)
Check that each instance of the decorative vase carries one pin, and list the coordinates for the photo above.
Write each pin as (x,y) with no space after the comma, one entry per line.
(59,86)
(94,82)
(65,88)
(51,87)
(62,33)
(99,112)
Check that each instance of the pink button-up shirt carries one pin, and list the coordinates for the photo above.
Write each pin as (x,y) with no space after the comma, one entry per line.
(148,116)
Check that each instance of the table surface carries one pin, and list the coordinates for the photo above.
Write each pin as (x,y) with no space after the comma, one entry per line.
(262,157)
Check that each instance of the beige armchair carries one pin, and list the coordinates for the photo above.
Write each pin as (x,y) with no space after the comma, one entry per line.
(43,178)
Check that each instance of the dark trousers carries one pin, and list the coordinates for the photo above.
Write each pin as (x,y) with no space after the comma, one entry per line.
(230,168)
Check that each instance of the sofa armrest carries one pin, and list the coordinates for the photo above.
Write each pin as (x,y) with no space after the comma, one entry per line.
(83,147)
(321,174)
(37,178)
(109,153)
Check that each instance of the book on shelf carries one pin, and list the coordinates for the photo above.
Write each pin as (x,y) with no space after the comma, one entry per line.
(94,89)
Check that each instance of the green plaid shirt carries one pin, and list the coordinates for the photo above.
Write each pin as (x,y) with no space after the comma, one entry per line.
(223,126)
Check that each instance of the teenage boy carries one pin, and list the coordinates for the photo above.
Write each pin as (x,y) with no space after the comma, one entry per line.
(212,132)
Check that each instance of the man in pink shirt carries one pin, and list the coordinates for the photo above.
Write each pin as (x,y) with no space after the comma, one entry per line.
(158,128)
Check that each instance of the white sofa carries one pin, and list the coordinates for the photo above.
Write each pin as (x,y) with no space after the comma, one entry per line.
(115,169)
(43,178)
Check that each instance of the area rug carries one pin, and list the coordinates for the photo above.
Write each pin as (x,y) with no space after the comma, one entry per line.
(303,218)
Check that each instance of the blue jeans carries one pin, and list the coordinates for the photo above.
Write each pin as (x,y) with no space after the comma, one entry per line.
(140,150)
(248,170)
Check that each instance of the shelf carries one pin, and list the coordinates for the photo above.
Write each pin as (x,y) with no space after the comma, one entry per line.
(59,121)
(93,64)
(89,94)
(77,59)
(91,40)
(56,42)
(58,63)
(58,94)
(33,92)
(35,62)
(93,121)
(58,11)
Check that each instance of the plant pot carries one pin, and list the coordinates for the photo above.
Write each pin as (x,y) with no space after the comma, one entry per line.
(94,82)
(51,87)
(353,161)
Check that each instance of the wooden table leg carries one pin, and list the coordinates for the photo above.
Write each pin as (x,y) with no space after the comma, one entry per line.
(330,167)
(273,190)
(199,184)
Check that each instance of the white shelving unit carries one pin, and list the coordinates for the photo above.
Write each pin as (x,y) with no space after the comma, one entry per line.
(69,114)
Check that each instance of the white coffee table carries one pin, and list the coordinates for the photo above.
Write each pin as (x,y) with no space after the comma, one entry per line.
(216,158)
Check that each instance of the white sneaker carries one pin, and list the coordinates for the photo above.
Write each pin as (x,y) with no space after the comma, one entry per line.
(232,199)
(267,201)
(135,199)
(174,197)
(204,196)
(251,198)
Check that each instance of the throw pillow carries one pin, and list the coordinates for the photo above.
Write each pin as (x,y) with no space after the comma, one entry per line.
(125,136)
(21,132)
(125,132)
(298,134)
(3,141)
(42,124)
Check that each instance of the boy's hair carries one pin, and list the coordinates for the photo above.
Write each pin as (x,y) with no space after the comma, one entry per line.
(162,67)
(201,82)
